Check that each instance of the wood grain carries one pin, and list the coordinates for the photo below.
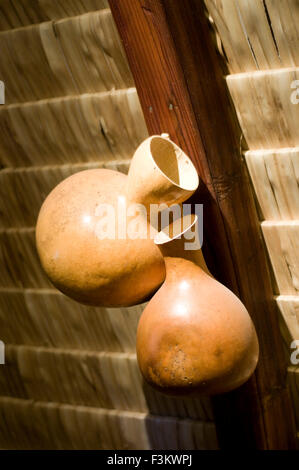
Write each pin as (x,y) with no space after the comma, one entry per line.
(93,52)
(19,207)
(26,424)
(245,33)
(256,34)
(293,375)
(275,177)
(284,16)
(20,265)
(289,308)
(67,57)
(282,240)
(92,127)
(45,317)
(267,116)
(17,13)
(104,380)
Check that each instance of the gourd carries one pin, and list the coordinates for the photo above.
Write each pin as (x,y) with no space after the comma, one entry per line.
(195,335)
(112,269)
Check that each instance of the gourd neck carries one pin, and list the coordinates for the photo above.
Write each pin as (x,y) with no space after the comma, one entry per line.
(173,251)
(160,172)
(184,245)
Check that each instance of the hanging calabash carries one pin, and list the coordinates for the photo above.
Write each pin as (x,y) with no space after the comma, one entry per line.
(112,269)
(194,335)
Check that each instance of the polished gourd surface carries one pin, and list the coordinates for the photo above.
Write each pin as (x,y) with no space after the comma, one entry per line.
(94,230)
(194,336)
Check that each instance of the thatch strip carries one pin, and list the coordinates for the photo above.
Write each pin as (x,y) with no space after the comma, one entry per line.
(33,425)
(76,55)
(92,127)
(19,207)
(282,240)
(47,318)
(289,308)
(20,265)
(266,106)
(104,380)
(18,13)
(275,177)
(257,34)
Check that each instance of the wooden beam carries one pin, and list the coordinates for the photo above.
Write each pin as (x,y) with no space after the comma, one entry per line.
(180,82)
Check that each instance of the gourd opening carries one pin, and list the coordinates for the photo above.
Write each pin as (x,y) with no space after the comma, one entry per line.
(185,226)
(174,163)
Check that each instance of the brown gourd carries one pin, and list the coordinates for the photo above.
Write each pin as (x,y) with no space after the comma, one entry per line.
(117,271)
(195,335)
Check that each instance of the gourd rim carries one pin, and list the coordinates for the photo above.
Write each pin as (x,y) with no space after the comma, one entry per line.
(189,179)
(163,236)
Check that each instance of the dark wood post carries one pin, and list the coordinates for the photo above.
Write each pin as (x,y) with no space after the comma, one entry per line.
(182,90)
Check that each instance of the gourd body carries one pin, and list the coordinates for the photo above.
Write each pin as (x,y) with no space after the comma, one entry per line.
(195,335)
(120,269)
(94,271)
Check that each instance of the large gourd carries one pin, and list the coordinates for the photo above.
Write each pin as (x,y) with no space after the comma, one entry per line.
(118,270)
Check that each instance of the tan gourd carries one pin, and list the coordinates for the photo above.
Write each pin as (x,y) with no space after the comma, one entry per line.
(194,335)
(117,271)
